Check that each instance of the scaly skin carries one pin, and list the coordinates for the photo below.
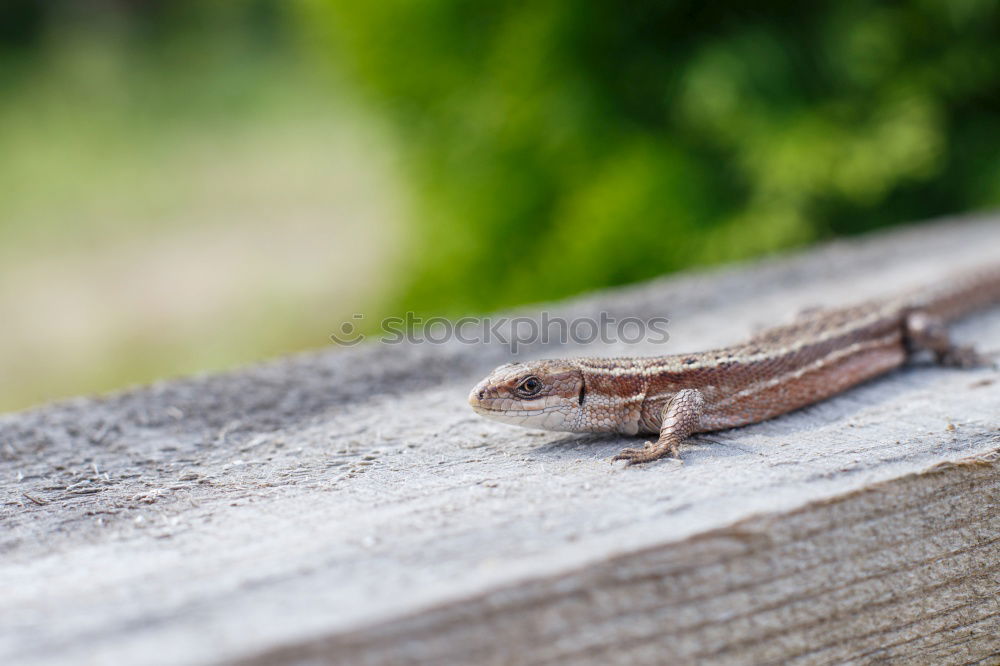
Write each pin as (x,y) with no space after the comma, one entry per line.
(819,355)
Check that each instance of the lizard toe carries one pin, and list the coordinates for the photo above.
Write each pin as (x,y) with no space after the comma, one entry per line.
(631,455)
(648,453)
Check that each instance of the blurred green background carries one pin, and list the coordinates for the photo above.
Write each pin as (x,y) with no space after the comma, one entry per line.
(189,186)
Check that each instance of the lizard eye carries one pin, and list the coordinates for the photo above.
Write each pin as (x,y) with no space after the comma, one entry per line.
(529,386)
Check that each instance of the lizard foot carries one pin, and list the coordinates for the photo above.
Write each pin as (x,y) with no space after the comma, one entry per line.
(925,332)
(648,453)
(680,418)
(963,357)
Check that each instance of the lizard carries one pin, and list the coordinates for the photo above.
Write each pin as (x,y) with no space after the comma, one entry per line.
(818,355)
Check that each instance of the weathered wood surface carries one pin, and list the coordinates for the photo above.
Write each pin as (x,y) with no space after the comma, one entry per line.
(347,506)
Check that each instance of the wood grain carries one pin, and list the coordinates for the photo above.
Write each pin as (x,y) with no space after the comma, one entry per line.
(346,506)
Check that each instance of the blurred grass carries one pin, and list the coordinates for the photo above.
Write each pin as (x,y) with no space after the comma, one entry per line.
(179,208)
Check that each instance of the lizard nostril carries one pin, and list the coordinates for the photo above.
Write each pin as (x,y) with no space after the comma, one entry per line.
(482,393)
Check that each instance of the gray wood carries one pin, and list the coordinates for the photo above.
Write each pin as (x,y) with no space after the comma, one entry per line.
(346,506)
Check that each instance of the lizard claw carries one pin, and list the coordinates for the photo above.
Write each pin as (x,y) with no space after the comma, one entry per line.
(649,452)
(629,455)
(963,357)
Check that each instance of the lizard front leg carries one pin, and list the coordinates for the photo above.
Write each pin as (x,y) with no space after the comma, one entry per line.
(925,332)
(681,418)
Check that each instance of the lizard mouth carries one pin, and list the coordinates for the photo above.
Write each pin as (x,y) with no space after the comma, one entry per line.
(482,403)
(512,412)
(506,409)
(547,418)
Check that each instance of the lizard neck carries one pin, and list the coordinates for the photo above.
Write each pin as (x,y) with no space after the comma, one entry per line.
(615,391)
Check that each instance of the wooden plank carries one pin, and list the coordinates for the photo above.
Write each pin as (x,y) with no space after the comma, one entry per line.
(906,568)
(347,507)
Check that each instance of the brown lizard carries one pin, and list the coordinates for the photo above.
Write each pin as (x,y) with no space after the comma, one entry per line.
(781,369)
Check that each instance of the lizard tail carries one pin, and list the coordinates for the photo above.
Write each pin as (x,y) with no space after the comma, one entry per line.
(965,293)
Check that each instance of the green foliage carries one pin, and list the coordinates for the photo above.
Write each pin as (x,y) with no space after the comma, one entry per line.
(558,146)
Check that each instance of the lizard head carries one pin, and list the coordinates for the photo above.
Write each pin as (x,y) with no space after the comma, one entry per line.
(537,394)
